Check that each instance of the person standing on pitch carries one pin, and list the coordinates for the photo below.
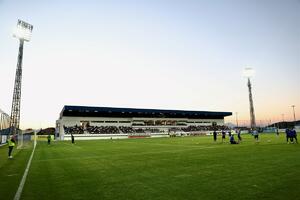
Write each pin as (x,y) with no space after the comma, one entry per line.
(49,139)
(255,133)
(73,139)
(287,135)
(239,136)
(215,135)
(223,135)
(11,144)
(229,134)
(294,135)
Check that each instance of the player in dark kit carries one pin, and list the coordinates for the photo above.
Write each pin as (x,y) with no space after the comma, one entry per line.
(293,135)
(72,137)
(49,139)
(288,135)
(215,135)
(229,133)
(223,135)
(239,135)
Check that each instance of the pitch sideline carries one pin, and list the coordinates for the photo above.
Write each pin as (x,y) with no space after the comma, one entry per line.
(22,183)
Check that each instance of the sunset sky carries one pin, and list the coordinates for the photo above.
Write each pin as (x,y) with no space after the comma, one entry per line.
(167,54)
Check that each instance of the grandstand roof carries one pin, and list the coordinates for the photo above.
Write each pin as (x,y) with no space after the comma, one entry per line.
(86,111)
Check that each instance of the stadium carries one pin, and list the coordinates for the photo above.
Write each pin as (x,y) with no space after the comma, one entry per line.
(150,100)
(116,123)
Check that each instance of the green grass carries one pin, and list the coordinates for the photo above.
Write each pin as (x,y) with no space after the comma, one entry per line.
(162,168)
(11,170)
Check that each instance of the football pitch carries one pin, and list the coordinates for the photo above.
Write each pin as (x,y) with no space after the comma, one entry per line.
(159,168)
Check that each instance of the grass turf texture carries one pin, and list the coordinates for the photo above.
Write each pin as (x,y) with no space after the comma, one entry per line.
(161,168)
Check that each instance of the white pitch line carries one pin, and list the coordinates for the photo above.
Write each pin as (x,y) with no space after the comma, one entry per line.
(22,183)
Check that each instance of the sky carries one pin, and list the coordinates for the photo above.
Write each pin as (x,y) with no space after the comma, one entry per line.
(164,54)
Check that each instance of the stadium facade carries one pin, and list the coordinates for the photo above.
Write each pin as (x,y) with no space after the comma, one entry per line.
(108,123)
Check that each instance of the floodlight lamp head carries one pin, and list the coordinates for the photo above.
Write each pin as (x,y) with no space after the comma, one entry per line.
(23,31)
(248,72)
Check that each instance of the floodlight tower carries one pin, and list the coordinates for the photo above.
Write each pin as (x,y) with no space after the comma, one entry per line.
(248,73)
(293,106)
(23,33)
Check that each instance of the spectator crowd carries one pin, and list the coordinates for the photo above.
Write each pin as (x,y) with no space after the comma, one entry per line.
(130,130)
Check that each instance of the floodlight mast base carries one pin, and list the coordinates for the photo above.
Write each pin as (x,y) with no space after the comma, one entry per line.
(16,103)
(252,114)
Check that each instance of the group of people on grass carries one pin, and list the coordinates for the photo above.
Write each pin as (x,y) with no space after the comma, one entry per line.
(230,135)
(291,136)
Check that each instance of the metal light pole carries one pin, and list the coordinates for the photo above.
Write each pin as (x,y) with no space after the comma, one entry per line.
(293,106)
(15,110)
(249,72)
(23,33)
(236,118)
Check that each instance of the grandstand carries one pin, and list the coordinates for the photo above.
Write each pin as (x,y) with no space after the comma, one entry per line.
(108,123)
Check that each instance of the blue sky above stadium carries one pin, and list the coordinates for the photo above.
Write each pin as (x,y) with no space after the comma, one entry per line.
(180,54)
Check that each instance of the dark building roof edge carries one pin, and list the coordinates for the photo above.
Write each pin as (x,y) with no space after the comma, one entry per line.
(140,110)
